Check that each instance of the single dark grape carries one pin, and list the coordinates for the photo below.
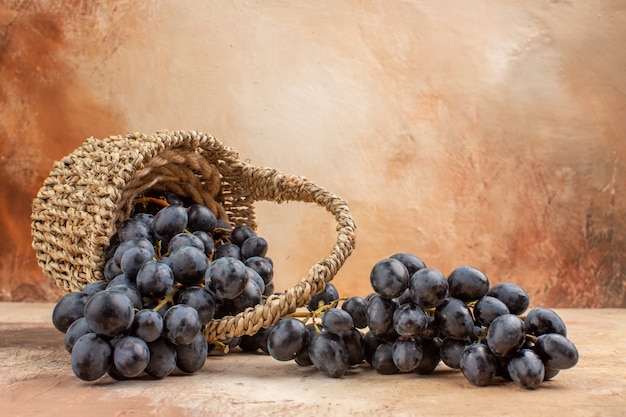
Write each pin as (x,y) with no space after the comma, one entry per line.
(303,358)
(428,287)
(227,250)
(454,319)
(409,320)
(411,262)
(326,296)
(249,297)
(181,324)
(185,239)
(168,222)
(201,218)
(129,244)
(77,329)
(254,246)
(262,266)
(148,325)
(162,358)
(389,278)
(329,354)
(121,279)
(111,269)
(355,306)
(155,279)
(514,296)
(506,334)
(450,350)
(406,354)
(542,320)
(207,242)
(467,283)
(240,234)
(382,359)
(69,308)
(189,265)
(134,259)
(286,339)
(131,356)
(556,351)
(191,357)
(92,356)
(354,345)
(133,229)
(379,313)
(200,299)
(227,277)
(131,291)
(478,364)
(94,287)
(370,344)
(109,313)
(338,321)
(526,369)
(256,278)
(431,356)
(488,308)
(144,218)
(269,289)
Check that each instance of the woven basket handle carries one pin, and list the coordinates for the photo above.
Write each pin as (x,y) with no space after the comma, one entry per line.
(270,185)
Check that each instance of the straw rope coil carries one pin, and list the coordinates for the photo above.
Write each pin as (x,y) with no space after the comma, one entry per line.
(90,192)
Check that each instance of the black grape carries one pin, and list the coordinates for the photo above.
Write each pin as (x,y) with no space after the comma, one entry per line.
(467,283)
(109,313)
(162,358)
(92,357)
(329,354)
(181,324)
(69,308)
(526,369)
(337,321)
(488,308)
(406,354)
(191,357)
(286,339)
(506,334)
(514,296)
(542,320)
(148,325)
(200,218)
(227,277)
(130,356)
(389,278)
(478,364)
(428,287)
(355,306)
(556,351)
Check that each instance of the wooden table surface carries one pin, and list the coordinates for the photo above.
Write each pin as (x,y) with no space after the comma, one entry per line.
(36,380)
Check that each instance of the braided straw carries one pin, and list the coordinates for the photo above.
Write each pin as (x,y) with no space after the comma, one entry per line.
(90,192)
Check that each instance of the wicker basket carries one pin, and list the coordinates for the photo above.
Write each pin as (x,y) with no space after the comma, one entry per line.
(90,192)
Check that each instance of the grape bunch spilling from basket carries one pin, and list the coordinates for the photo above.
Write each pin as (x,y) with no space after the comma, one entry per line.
(172,267)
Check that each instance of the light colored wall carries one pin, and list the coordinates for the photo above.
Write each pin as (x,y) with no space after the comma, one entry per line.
(483,133)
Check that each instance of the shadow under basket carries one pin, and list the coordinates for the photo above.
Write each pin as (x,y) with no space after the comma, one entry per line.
(90,192)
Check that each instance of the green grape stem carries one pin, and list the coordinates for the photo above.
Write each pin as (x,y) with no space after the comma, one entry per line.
(168,299)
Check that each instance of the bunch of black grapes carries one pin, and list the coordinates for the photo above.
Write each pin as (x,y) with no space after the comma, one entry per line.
(171,268)
(417,317)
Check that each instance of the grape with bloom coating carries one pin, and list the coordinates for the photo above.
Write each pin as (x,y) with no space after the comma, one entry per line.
(389,278)
(329,354)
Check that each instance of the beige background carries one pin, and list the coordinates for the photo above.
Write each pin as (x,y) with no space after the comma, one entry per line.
(492,134)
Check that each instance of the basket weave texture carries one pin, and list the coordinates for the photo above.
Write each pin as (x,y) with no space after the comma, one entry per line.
(90,192)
